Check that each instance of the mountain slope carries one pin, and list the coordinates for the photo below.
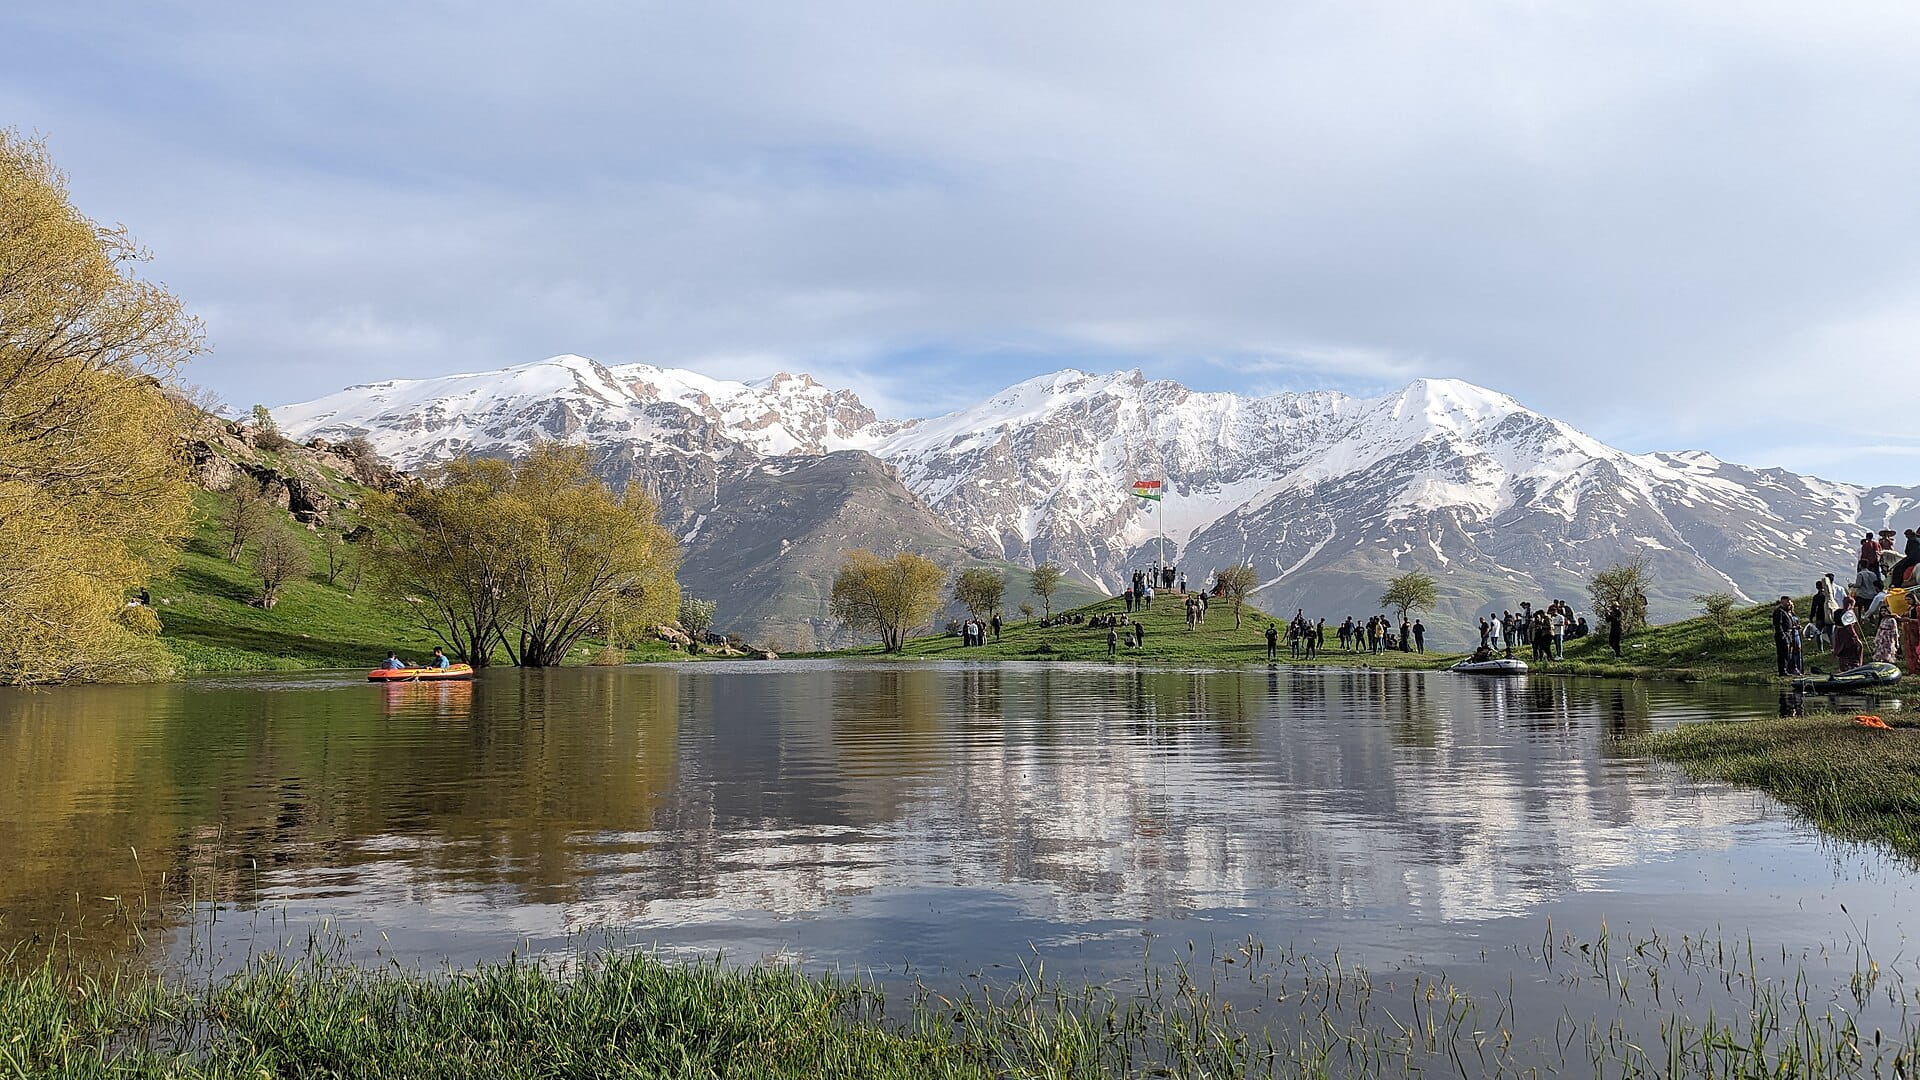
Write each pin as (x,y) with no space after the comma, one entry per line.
(1327,495)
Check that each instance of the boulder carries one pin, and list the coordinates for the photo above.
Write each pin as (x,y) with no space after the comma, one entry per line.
(673,634)
(768,654)
(306,501)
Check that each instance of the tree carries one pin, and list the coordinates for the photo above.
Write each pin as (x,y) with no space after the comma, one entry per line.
(333,551)
(1718,608)
(696,615)
(278,558)
(979,590)
(266,433)
(1410,592)
(1234,583)
(1026,612)
(93,497)
(530,556)
(1624,584)
(888,597)
(243,515)
(1045,581)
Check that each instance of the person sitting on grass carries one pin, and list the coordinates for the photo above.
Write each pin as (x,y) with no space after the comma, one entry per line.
(440,660)
(394,663)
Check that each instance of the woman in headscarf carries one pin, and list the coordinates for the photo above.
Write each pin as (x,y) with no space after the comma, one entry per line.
(1846,636)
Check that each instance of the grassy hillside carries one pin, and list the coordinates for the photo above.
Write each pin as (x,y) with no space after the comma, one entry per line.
(210,620)
(1168,641)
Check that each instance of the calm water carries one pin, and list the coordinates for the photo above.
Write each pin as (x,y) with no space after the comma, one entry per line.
(930,821)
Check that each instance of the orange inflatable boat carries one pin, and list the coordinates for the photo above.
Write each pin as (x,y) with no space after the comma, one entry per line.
(456,673)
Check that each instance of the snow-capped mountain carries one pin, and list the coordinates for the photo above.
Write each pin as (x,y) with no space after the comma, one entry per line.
(1325,494)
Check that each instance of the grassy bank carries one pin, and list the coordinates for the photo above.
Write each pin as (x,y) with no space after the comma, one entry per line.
(1168,641)
(1852,781)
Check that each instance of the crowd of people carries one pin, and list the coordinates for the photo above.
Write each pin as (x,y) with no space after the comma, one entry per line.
(1307,638)
(1545,630)
(1873,617)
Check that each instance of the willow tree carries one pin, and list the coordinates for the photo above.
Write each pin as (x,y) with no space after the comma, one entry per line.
(94,496)
(586,558)
(530,556)
(887,597)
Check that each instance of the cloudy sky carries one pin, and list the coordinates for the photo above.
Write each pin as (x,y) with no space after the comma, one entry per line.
(1675,226)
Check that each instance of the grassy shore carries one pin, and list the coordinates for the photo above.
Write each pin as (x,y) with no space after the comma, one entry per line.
(1852,781)
(1168,641)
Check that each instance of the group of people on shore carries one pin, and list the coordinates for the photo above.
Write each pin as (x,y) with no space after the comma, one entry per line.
(1308,638)
(975,630)
(1873,617)
(1545,630)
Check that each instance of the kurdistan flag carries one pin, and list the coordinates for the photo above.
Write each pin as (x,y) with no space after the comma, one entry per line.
(1147,489)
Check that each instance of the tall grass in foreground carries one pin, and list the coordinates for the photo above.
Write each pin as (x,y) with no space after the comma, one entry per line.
(1854,782)
(1693,1005)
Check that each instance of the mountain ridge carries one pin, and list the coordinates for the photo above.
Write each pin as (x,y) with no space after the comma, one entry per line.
(1327,494)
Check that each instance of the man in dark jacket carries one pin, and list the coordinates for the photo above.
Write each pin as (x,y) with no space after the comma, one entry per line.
(1273,642)
(1419,637)
(1783,626)
(1615,619)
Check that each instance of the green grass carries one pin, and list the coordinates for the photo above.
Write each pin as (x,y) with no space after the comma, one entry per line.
(1168,641)
(1854,782)
(211,622)
(627,1015)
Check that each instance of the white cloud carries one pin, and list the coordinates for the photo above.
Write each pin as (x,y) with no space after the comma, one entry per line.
(1668,223)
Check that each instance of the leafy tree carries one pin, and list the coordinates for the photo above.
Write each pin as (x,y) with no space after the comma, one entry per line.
(1624,584)
(278,558)
(93,499)
(530,556)
(1410,592)
(266,433)
(243,515)
(1234,583)
(367,462)
(1026,612)
(887,597)
(980,591)
(585,557)
(696,615)
(1044,581)
(1718,608)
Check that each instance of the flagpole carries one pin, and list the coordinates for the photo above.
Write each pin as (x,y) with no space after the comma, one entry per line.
(1163,524)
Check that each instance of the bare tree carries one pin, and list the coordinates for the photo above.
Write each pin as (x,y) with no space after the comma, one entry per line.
(1235,582)
(333,548)
(244,514)
(279,558)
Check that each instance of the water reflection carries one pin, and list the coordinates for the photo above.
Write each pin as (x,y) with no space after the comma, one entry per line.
(883,804)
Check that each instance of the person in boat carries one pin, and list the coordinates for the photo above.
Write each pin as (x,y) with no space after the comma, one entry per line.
(1482,654)
(440,660)
(394,663)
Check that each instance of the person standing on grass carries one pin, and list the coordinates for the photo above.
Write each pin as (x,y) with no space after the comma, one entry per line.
(1406,636)
(1557,623)
(1615,619)
(1419,637)
(1139,634)
(1113,641)
(1311,640)
(996,627)
(1273,641)
(1784,625)
(1846,636)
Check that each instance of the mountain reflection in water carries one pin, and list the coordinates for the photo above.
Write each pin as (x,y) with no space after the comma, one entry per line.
(945,816)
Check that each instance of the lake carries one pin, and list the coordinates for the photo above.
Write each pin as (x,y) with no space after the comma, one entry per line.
(931,822)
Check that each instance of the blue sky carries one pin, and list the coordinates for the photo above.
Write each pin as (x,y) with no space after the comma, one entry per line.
(1672,225)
